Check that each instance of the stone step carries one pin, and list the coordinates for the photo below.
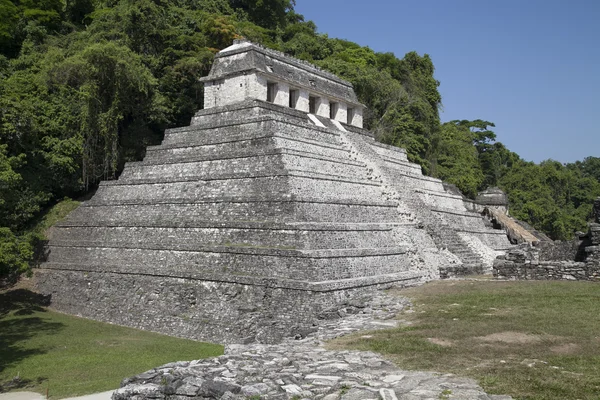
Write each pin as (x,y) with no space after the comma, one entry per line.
(97,273)
(496,242)
(251,185)
(487,232)
(233,147)
(268,125)
(309,265)
(234,209)
(445,237)
(246,174)
(442,203)
(406,181)
(246,235)
(403,167)
(460,250)
(247,148)
(193,171)
(246,109)
(458,212)
(260,164)
(409,176)
(444,193)
(392,152)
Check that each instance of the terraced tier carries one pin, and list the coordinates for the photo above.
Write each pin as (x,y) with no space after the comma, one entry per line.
(174,212)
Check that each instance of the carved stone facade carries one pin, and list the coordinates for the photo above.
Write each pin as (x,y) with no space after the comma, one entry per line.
(259,217)
(246,71)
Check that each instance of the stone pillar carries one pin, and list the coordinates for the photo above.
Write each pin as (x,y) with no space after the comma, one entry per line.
(256,87)
(282,97)
(358,117)
(323,107)
(302,104)
(341,114)
(593,251)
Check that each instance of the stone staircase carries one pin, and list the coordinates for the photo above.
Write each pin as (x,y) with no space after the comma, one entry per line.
(446,238)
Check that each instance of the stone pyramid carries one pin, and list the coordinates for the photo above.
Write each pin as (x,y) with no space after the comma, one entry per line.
(273,208)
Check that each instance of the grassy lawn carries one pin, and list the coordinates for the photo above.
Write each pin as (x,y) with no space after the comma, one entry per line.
(70,356)
(531,340)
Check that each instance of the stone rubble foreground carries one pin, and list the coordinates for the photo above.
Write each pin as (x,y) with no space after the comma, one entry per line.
(304,369)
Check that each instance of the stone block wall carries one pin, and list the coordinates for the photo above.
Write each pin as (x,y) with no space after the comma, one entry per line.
(235,89)
(547,270)
(561,251)
(593,251)
(227,312)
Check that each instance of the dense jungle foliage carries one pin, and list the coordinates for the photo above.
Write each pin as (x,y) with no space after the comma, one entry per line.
(86,85)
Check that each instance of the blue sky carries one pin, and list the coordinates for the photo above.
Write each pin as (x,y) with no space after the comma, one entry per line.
(532,67)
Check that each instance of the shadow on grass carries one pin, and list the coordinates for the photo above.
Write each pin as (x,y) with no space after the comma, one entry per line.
(20,323)
(22,302)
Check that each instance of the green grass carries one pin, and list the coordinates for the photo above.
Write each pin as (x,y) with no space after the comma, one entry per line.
(70,356)
(54,214)
(531,340)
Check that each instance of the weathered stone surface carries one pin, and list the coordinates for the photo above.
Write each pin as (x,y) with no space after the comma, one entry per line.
(246,70)
(492,197)
(292,370)
(527,262)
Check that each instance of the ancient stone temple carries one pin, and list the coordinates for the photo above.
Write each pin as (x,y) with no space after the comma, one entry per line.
(273,208)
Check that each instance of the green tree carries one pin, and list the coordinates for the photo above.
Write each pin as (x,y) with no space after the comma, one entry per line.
(496,161)
(550,196)
(9,18)
(458,157)
(590,167)
(270,14)
(15,255)
(114,88)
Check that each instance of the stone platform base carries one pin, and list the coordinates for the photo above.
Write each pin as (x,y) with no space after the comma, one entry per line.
(220,312)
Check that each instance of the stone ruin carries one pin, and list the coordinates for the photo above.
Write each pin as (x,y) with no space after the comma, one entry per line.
(492,203)
(578,259)
(273,208)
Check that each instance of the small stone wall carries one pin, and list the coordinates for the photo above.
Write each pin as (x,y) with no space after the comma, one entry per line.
(546,270)
(578,259)
(561,251)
